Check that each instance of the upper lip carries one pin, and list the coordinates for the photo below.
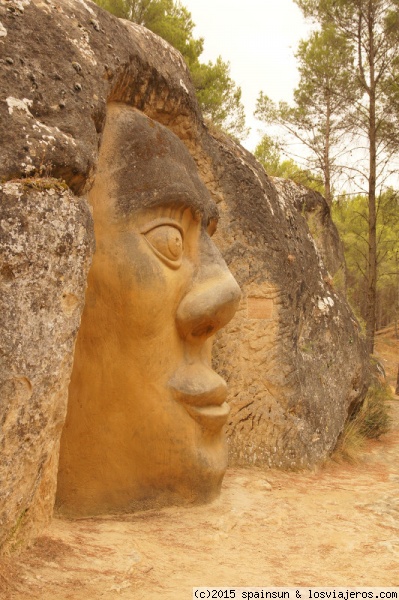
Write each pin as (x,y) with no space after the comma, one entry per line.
(203,393)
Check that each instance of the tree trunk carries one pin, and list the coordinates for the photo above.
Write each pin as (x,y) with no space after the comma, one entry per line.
(397,384)
(372,216)
(327,172)
(397,296)
(372,254)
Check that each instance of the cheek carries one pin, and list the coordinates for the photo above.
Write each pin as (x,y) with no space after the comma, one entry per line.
(138,293)
(138,270)
(123,265)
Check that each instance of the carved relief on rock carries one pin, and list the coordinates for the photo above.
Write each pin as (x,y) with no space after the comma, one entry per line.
(146,410)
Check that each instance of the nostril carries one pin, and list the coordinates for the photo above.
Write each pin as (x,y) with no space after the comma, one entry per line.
(203,330)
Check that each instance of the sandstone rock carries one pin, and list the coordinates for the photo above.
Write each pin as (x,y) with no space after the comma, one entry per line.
(293,358)
(314,208)
(46,242)
(264,486)
(64,70)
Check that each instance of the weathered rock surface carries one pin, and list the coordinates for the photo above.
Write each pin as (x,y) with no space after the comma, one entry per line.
(312,206)
(60,63)
(46,242)
(292,356)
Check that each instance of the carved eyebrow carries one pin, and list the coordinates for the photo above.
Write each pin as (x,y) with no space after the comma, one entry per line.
(178,207)
(180,198)
(202,206)
(154,197)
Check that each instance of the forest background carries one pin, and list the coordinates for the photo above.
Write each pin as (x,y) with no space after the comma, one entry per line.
(339,136)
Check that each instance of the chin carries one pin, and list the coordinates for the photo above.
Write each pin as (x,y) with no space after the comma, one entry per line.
(193,476)
(203,478)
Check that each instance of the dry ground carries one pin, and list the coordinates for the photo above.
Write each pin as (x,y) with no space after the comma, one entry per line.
(337,526)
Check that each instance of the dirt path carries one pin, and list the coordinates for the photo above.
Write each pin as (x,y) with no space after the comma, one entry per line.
(338,526)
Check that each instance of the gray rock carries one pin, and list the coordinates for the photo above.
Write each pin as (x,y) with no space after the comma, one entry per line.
(293,359)
(46,243)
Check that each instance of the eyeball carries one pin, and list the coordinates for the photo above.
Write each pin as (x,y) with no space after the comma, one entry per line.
(167,243)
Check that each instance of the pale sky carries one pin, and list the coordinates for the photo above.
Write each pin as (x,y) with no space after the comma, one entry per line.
(259,39)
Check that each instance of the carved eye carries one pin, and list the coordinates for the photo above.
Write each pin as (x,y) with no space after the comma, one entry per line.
(167,243)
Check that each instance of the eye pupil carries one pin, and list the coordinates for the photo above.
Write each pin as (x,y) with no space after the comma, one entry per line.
(175,245)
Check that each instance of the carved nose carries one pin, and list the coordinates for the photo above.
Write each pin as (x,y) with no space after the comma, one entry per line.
(211,302)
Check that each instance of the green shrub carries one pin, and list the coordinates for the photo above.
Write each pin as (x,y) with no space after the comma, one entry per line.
(373,416)
(370,421)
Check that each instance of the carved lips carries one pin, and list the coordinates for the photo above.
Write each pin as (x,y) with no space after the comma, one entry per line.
(203,394)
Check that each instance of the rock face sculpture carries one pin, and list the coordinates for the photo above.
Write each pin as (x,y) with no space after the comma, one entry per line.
(99,111)
(146,410)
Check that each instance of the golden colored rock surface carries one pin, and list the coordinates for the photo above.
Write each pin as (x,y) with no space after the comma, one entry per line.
(146,410)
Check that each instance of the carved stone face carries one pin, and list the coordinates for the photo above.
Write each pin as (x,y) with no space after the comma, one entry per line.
(146,411)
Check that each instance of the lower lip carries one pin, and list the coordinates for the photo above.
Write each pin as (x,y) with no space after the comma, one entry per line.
(202,392)
(211,417)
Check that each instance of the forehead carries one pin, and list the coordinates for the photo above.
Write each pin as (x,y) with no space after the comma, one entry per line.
(149,166)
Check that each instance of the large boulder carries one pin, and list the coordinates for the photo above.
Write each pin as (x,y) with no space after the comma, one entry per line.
(293,357)
(46,243)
